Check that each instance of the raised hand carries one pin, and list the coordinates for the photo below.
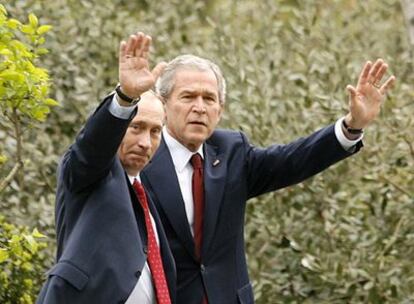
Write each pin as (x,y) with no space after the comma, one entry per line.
(135,77)
(365,100)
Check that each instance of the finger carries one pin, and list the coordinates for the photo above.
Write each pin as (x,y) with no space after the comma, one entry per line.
(146,47)
(130,46)
(122,51)
(363,76)
(352,95)
(156,72)
(138,46)
(351,91)
(374,70)
(381,72)
(387,85)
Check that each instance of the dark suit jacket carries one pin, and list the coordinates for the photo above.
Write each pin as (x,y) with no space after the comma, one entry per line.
(243,172)
(99,222)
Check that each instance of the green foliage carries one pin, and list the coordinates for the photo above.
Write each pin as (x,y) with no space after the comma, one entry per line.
(342,237)
(23,86)
(22,259)
(24,90)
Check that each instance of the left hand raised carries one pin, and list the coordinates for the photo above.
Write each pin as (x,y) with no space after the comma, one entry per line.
(365,100)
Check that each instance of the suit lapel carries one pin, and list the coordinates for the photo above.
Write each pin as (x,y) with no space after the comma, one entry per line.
(214,183)
(164,184)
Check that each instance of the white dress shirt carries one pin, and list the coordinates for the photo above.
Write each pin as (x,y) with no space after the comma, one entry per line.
(181,158)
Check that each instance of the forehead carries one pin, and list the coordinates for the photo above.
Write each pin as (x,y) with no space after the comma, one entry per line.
(190,79)
(150,110)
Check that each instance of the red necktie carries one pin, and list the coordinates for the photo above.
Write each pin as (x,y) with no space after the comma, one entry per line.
(154,256)
(198,197)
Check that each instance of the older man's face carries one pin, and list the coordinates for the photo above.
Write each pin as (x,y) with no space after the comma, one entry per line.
(193,108)
(143,135)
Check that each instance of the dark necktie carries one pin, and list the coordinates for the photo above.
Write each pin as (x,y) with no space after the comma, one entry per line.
(154,256)
(198,197)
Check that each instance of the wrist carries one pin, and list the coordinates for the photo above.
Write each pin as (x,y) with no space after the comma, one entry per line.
(124,98)
(350,133)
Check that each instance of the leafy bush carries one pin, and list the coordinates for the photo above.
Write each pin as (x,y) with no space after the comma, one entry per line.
(24,102)
(344,236)
(22,259)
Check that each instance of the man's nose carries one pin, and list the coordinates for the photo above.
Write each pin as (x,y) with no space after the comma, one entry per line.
(144,140)
(199,105)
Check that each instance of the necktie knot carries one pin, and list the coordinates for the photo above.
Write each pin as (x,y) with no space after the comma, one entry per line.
(196,161)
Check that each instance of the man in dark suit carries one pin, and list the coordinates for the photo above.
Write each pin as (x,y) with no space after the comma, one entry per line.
(204,221)
(111,245)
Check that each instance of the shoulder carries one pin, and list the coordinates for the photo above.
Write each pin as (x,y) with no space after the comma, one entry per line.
(227,137)
(228,141)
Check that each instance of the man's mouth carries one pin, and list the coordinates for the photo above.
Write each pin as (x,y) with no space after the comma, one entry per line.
(200,123)
(141,155)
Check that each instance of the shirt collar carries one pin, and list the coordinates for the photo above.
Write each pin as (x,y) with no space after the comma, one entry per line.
(179,153)
(131,178)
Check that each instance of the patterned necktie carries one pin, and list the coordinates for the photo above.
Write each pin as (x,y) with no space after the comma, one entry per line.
(154,256)
(198,197)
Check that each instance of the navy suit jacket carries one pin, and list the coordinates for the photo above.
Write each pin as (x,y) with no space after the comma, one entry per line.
(99,222)
(234,171)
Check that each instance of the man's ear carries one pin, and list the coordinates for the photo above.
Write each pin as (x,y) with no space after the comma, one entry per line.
(221,111)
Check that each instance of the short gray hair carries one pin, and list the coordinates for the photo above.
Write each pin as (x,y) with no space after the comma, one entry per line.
(165,82)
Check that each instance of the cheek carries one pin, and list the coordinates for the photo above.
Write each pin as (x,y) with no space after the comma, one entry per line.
(155,142)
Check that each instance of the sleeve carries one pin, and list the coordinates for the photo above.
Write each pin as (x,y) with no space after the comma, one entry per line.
(90,158)
(278,166)
(346,143)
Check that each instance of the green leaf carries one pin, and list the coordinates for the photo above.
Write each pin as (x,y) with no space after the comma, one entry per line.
(43,29)
(32,244)
(12,76)
(6,52)
(33,20)
(3,9)
(3,159)
(37,234)
(42,51)
(4,255)
(51,102)
(13,23)
(27,29)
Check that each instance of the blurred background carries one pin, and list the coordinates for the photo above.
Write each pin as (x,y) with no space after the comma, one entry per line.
(344,236)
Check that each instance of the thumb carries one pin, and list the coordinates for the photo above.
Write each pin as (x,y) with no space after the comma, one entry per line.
(352,94)
(156,72)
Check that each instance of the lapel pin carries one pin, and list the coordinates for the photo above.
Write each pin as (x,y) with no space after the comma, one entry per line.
(216,162)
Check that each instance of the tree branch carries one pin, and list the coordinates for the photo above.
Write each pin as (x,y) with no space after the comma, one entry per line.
(4,183)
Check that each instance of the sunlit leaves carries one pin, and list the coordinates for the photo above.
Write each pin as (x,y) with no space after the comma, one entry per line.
(20,262)
(23,85)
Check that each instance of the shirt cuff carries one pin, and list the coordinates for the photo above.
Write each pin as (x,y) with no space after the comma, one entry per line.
(120,111)
(346,143)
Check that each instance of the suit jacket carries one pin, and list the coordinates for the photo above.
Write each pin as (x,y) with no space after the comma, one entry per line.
(100,227)
(234,171)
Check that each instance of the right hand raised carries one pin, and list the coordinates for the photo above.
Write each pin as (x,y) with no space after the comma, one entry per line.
(135,77)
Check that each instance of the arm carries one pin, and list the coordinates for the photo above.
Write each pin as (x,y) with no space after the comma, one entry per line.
(92,155)
(281,165)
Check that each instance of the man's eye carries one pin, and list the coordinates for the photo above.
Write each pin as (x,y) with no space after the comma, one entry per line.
(156,131)
(210,99)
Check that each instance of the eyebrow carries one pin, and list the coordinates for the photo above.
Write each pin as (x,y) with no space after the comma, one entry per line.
(204,92)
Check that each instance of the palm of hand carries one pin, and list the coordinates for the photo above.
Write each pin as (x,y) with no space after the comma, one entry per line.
(135,75)
(367,103)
